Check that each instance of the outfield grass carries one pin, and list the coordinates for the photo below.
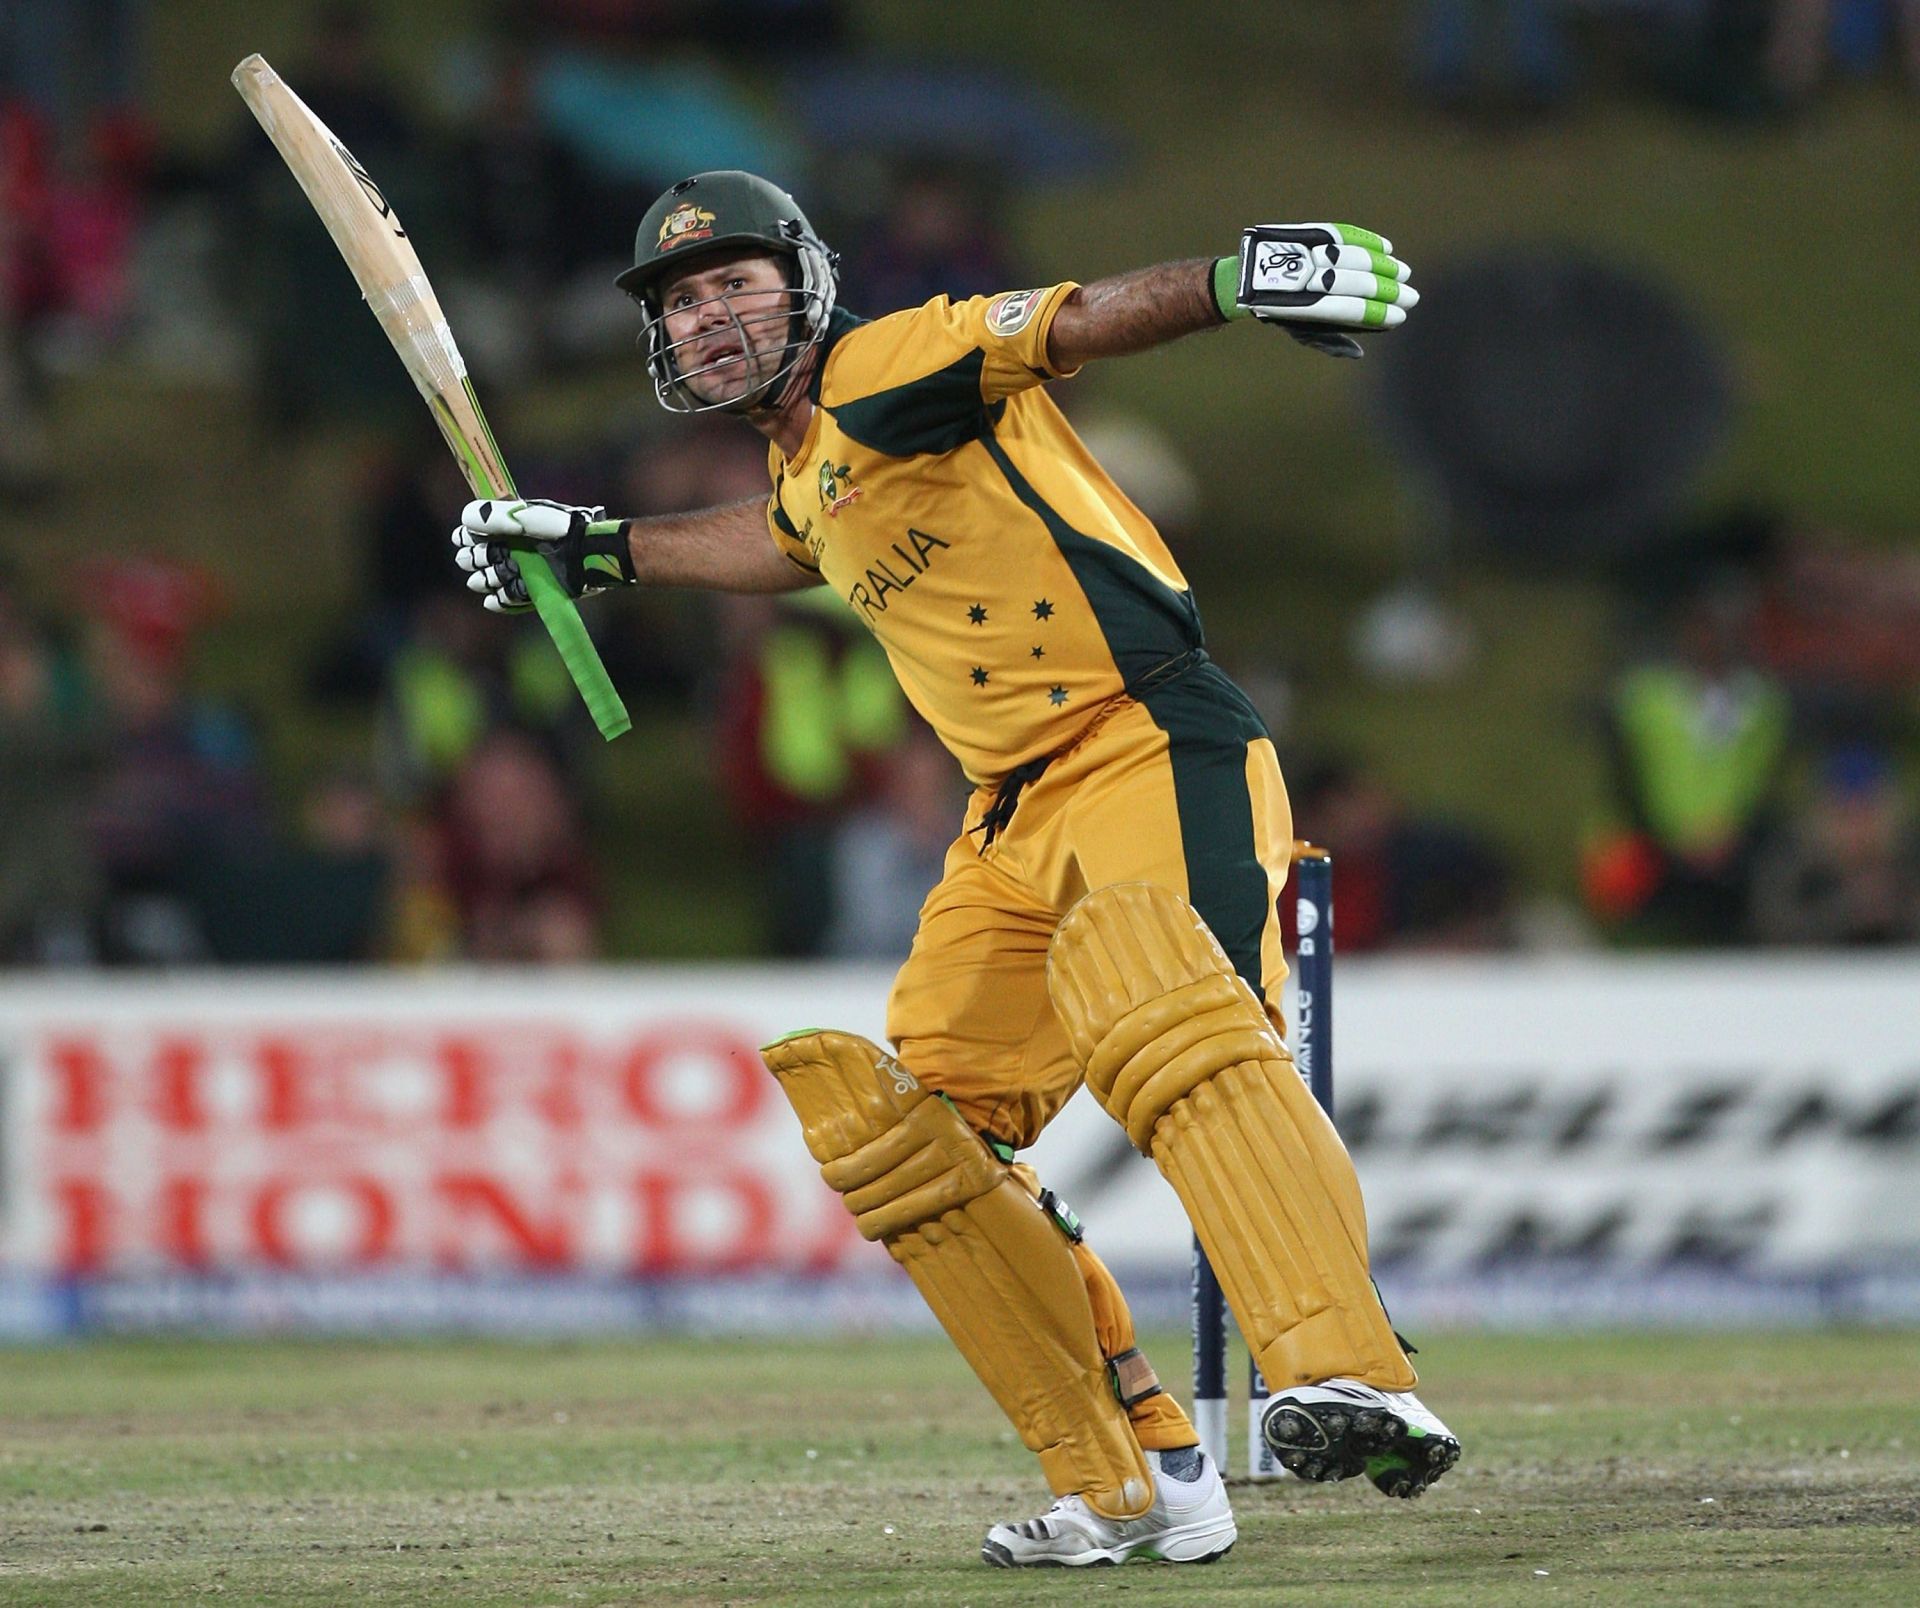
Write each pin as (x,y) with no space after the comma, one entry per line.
(1689,1469)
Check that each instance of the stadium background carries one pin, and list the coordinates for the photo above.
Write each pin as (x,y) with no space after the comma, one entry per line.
(351,985)
(356,1002)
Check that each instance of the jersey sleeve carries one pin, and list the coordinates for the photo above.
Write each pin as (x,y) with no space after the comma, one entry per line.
(1010,329)
(787,539)
(917,381)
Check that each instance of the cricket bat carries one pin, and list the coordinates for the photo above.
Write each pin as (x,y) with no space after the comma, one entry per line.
(388,272)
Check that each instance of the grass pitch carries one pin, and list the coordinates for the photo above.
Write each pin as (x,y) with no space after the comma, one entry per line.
(1775,1469)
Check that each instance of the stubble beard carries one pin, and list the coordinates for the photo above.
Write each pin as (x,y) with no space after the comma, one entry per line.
(735,379)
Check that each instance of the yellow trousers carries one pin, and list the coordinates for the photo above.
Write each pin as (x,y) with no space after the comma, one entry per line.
(1178,786)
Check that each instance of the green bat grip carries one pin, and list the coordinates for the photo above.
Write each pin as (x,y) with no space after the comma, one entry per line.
(577,652)
(550,600)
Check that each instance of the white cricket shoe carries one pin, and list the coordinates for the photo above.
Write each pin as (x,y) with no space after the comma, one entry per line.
(1340,1427)
(1190,1522)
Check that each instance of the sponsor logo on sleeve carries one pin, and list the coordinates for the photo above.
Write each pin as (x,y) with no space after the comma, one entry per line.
(1012,312)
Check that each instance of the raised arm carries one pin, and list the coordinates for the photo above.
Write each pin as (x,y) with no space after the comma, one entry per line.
(725,549)
(1315,280)
(1133,311)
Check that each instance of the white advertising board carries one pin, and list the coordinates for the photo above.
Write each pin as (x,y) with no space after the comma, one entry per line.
(1584,1138)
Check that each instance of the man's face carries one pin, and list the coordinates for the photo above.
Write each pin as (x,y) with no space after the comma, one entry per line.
(715,302)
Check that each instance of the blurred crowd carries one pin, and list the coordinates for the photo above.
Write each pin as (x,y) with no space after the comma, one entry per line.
(1736,59)
(1755,740)
(1758,746)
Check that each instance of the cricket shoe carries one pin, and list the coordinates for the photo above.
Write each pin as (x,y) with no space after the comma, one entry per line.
(1339,1428)
(1190,1522)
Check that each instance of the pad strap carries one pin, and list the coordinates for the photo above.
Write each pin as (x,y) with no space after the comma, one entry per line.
(1133,1377)
(1065,1218)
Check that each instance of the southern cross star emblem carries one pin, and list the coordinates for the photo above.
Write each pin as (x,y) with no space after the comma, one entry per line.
(1043,610)
(981,676)
(1037,651)
(1056,695)
(977,615)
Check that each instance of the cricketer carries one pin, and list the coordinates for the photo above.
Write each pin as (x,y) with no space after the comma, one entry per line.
(1107,912)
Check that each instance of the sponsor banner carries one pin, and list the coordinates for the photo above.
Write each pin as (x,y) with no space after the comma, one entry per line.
(1758,1115)
(607,1124)
(1538,1141)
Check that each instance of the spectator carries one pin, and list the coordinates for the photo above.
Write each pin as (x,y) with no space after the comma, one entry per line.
(459,676)
(636,115)
(520,230)
(664,646)
(1405,881)
(807,706)
(1698,740)
(1839,617)
(1719,57)
(321,899)
(752,27)
(1846,871)
(318,359)
(49,880)
(1807,35)
(937,235)
(178,779)
(514,859)
(73,60)
(67,222)
(423,922)
(888,854)
(343,83)
(26,453)
(403,495)
(1494,56)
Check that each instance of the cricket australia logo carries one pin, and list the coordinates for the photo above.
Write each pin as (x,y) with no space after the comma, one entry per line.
(684,223)
(832,478)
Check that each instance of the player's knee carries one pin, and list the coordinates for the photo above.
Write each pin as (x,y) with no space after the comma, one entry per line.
(895,1152)
(1150,1002)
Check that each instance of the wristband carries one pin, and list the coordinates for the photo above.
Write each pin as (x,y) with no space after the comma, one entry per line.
(1226,289)
(606,541)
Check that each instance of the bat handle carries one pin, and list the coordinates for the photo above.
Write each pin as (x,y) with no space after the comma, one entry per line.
(557,613)
(577,652)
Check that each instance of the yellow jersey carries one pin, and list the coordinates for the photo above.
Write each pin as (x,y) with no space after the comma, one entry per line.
(941,494)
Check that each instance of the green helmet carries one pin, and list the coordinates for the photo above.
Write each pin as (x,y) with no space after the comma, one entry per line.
(711,212)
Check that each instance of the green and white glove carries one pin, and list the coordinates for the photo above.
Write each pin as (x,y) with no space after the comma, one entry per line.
(1315,280)
(588,551)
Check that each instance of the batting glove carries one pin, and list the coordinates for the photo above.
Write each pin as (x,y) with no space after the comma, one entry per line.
(588,551)
(1315,280)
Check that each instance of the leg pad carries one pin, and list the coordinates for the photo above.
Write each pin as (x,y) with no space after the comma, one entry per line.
(997,1273)
(1181,1053)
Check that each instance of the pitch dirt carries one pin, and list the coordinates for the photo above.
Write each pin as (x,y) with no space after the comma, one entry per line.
(1780,1468)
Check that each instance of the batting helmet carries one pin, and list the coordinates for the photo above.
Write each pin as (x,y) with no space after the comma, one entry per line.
(712,212)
